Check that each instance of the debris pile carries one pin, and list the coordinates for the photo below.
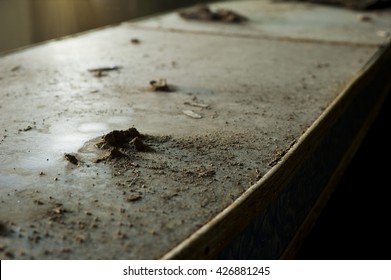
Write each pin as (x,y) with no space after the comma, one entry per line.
(203,13)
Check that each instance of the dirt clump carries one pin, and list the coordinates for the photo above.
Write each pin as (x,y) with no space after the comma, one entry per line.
(71,158)
(118,138)
(120,143)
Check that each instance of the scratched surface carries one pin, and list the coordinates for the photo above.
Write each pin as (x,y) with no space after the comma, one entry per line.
(249,98)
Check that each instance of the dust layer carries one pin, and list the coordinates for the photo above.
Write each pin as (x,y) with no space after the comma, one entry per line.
(145,194)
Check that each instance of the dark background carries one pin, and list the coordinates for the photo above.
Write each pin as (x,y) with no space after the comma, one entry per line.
(355,224)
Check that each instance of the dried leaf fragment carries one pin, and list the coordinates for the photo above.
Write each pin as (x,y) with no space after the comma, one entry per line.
(159,85)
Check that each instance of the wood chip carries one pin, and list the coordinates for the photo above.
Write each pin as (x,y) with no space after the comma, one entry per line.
(194,104)
(191,114)
(102,71)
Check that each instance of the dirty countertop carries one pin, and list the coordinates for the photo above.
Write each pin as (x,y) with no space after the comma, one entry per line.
(215,105)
